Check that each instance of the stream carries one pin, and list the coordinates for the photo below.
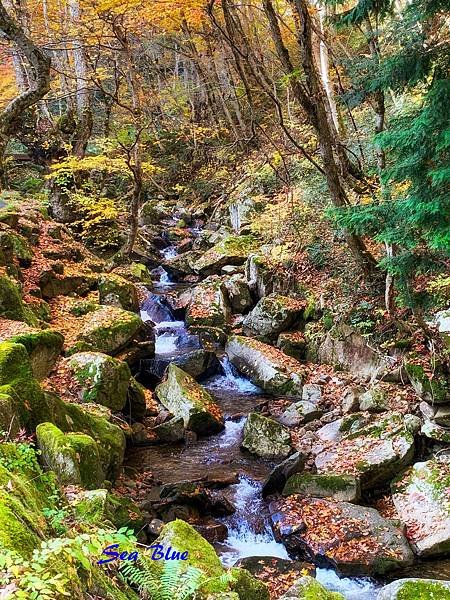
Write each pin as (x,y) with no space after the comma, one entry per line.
(249,530)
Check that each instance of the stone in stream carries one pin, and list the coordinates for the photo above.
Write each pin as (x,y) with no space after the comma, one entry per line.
(233,250)
(342,488)
(265,437)
(170,431)
(308,588)
(421,497)
(182,264)
(374,453)
(100,378)
(266,366)
(195,494)
(196,363)
(355,540)
(273,314)
(415,589)
(209,305)
(279,474)
(184,397)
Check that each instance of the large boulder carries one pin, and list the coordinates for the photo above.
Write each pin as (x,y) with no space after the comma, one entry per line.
(116,291)
(43,346)
(421,497)
(13,247)
(11,304)
(232,250)
(73,457)
(100,378)
(108,330)
(307,588)
(265,437)
(355,540)
(415,589)
(268,367)
(292,343)
(209,304)
(273,314)
(434,388)
(185,398)
(374,453)
(277,478)
(182,264)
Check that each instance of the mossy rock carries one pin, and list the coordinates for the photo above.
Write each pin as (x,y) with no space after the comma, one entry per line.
(185,398)
(435,391)
(343,488)
(83,307)
(266,438)
(116,291)
(136,272)
(247,586)
(43,347)
(11,304)
(272,315)
(109,437)
(374,400)
(307,588)
(109,329)
(74,457)
(233,250)
(24,493)
(17,382)
(14,247)
(101,378)
(415,589)
(102,508)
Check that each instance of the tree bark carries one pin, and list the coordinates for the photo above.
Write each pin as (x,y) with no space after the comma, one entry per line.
(39,81)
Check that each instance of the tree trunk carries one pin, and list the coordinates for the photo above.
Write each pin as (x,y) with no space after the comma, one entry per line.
(39,81)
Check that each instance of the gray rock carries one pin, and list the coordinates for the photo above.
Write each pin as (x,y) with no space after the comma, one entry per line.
(292,343)
(421,499)
(442,320)
(265,437)
(299,412)
(374,400)
(238,293)
(312,393)
(342,488)
(267,367)
(209,304)
(350,400)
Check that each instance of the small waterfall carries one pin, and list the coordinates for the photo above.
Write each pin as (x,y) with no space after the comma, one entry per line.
(249,532)
(351,589)
(235,216)
(231,379)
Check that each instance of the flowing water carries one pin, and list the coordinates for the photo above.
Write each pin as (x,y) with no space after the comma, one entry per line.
(249,531)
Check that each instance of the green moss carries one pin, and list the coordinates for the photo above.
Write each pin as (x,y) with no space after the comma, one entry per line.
(331,483)
(247,586)
(83,307)
(423,590)
(89,463)
(109,329)
(307,588)
(436,390)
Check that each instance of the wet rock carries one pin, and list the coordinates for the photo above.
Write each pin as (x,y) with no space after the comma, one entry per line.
(278,476)
(265,437)
(421,499)
(411,589)
(299,412)
(374,453)
(307,588)
(116,291)
(100,378)
(267,367)
(212,530)
(374,400)
(350,400)
(193,493)
(293,344)
(43,346)
(355,540)
(232,250)
(209,305)
(196,363)
(238,293)
(273,313)
(342,488)
(171,431)
(185,398)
